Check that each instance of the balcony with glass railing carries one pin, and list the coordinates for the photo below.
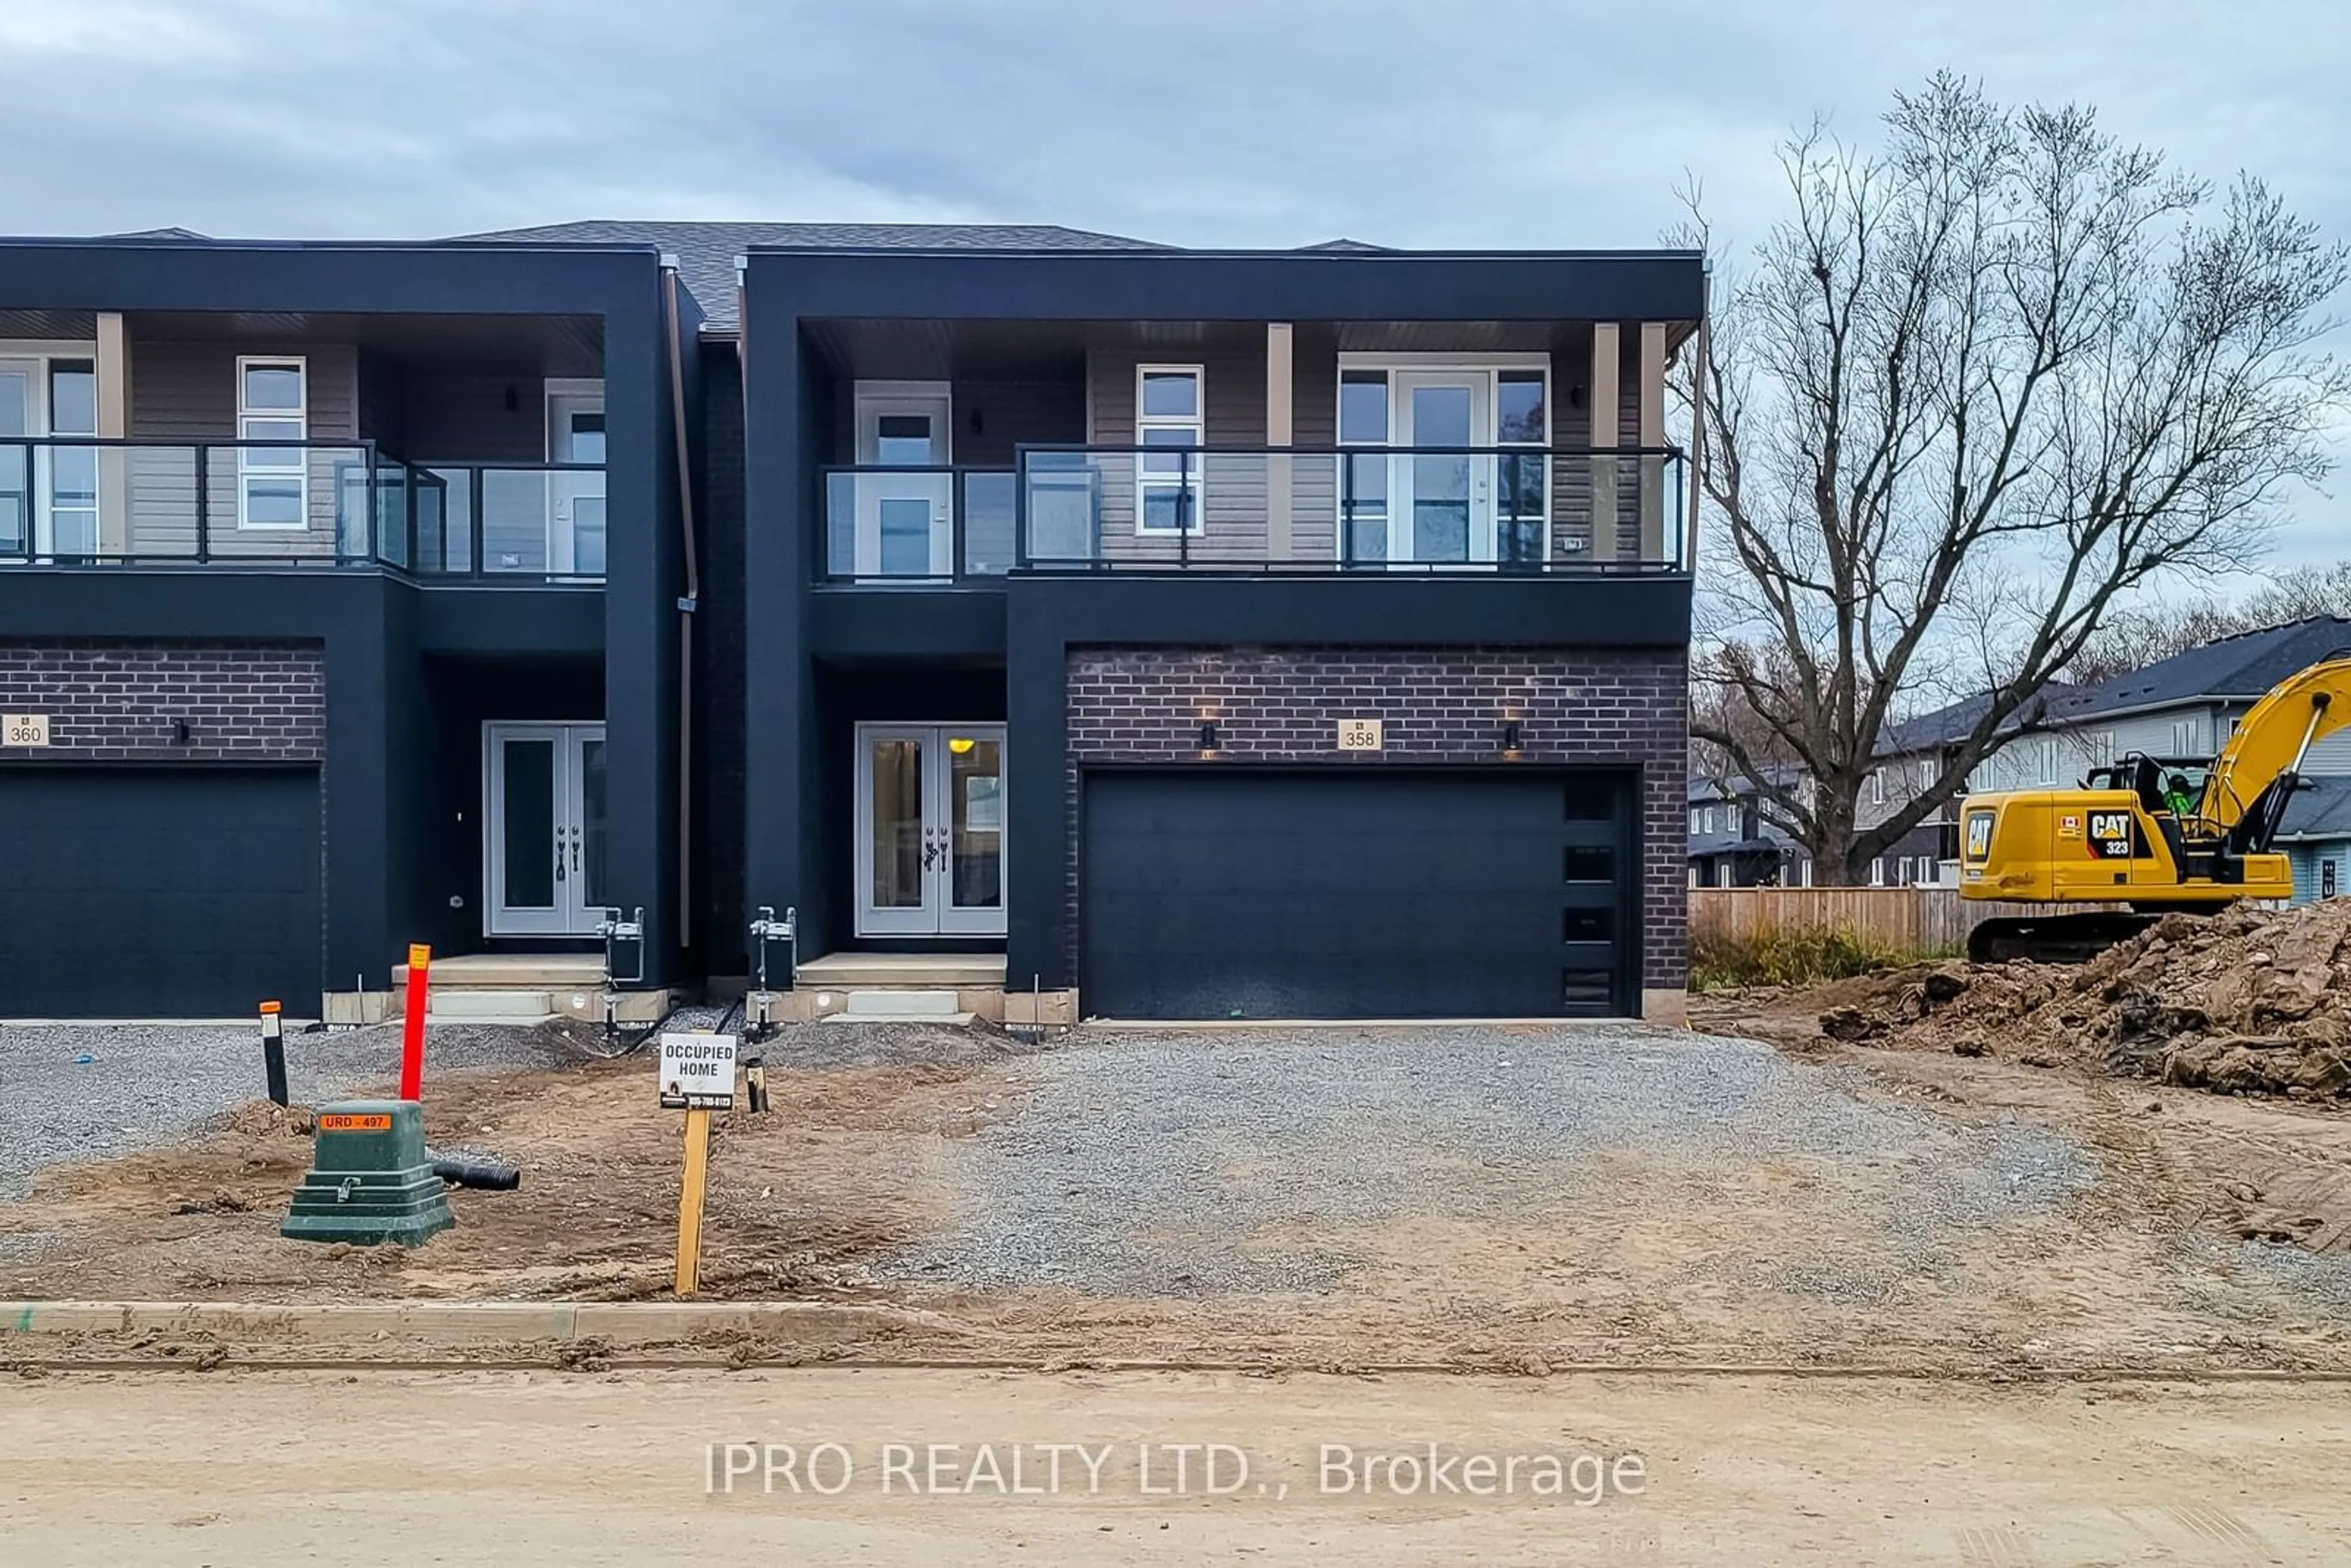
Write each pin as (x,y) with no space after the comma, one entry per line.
(1368,508)
(1223,509)
(259,505)
(918,524)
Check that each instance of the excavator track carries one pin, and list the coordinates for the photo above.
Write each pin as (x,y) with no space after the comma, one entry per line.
(2053,938)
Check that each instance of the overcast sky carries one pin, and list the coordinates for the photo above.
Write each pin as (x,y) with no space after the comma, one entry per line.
(1215,122)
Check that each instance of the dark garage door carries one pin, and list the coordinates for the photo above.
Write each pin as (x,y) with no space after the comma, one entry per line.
(1355,893)
(158,893)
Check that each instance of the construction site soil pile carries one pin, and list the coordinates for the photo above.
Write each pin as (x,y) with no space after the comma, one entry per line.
(2247,1001)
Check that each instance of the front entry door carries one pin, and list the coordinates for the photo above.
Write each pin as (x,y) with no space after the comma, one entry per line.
(575,495)
(904,521)
(544,851)
(1444,510)
(930,830)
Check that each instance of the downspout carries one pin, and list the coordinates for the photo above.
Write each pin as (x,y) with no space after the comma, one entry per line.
(685,606)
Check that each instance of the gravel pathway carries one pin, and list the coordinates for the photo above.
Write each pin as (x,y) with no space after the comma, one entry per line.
(146,1084)
(1138,1160)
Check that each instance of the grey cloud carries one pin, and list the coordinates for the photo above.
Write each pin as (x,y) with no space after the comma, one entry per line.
(1215,122)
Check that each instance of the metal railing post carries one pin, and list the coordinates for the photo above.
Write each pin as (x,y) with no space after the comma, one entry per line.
(204,504)
(478,525)
(1346,512)
(1184,510)
(1020,510)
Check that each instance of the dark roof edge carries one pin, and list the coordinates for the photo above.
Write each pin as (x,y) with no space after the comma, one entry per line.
(1170,251)
(144,241)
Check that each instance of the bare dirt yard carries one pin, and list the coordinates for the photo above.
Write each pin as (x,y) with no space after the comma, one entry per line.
(1512,1199)
(474,1466)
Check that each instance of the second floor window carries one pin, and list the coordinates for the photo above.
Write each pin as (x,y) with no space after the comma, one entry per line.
(1170,410)
(272,404)
(1878,786)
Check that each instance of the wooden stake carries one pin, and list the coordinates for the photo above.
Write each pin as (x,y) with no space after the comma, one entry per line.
(689,1201)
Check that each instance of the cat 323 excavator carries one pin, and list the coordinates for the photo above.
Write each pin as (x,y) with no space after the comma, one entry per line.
(2156,834)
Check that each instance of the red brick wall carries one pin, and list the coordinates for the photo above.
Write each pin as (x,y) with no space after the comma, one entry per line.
(1627,708)
(119,701)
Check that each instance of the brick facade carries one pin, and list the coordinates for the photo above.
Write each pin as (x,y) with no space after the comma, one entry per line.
(1625,708)
(122,701)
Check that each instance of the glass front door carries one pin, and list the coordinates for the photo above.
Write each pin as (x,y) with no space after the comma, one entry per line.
(545,851)
(904,525)
(930,830)
(1442,503)
(575,496)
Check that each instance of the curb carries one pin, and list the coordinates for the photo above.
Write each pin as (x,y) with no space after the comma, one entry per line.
(460,1322)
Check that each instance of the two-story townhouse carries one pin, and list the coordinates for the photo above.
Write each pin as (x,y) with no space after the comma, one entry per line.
(1160,632)
(336,588)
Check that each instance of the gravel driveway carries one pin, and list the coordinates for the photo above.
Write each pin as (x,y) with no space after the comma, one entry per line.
(143,1084)
(1139,1160)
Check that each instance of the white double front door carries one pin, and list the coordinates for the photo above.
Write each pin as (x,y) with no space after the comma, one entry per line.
(545,838)
(930,830)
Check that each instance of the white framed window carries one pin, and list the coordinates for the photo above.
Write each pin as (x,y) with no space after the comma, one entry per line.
(2048,761)
(1927,768)
(1878,786)
(1722,874)
(1877,872)
(1710,820)
(1171,409)
(1902,871)
(273,488)
(2187,736)
(1694,877)
(1804,873)
(1927,876)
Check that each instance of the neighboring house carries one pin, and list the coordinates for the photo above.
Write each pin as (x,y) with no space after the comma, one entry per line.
(2183,706)
(1731,843)
(1183,633)
(2316,838)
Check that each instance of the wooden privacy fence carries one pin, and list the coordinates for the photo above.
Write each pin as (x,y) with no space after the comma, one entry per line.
(1904,919)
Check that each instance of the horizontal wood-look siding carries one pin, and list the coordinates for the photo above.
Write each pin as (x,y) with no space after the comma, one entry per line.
(1233,488)
(994,418)
(464,419)
(187,392)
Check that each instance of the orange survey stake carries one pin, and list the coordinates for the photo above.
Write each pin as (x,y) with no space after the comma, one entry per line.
(412,1033)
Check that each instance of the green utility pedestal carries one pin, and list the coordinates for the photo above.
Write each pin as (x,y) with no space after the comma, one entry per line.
(369,1181)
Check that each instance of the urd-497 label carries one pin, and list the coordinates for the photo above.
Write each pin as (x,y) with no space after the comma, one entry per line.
(2112,835)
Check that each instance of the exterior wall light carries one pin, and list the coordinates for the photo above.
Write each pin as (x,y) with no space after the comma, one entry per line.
(1511,737)
(1209,741)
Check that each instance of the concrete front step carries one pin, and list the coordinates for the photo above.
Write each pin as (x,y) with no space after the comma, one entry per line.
(900,1006)
(511,972)
(866,971)
(489,1007)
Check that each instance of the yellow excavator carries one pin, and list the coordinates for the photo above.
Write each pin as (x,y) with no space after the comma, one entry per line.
(2156,834)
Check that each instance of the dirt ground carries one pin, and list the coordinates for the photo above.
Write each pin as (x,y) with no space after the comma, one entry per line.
(1774,1253)
(618,1469)
(2254,1165)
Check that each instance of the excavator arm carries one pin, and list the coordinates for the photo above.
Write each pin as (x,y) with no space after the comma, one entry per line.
(2245,794)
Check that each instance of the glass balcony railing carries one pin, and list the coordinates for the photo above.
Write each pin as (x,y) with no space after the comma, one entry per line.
(77,501)
(1371,508)
(933,525)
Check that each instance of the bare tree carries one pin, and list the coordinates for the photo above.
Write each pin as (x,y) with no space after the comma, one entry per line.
(2144,633)
(1976,387)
